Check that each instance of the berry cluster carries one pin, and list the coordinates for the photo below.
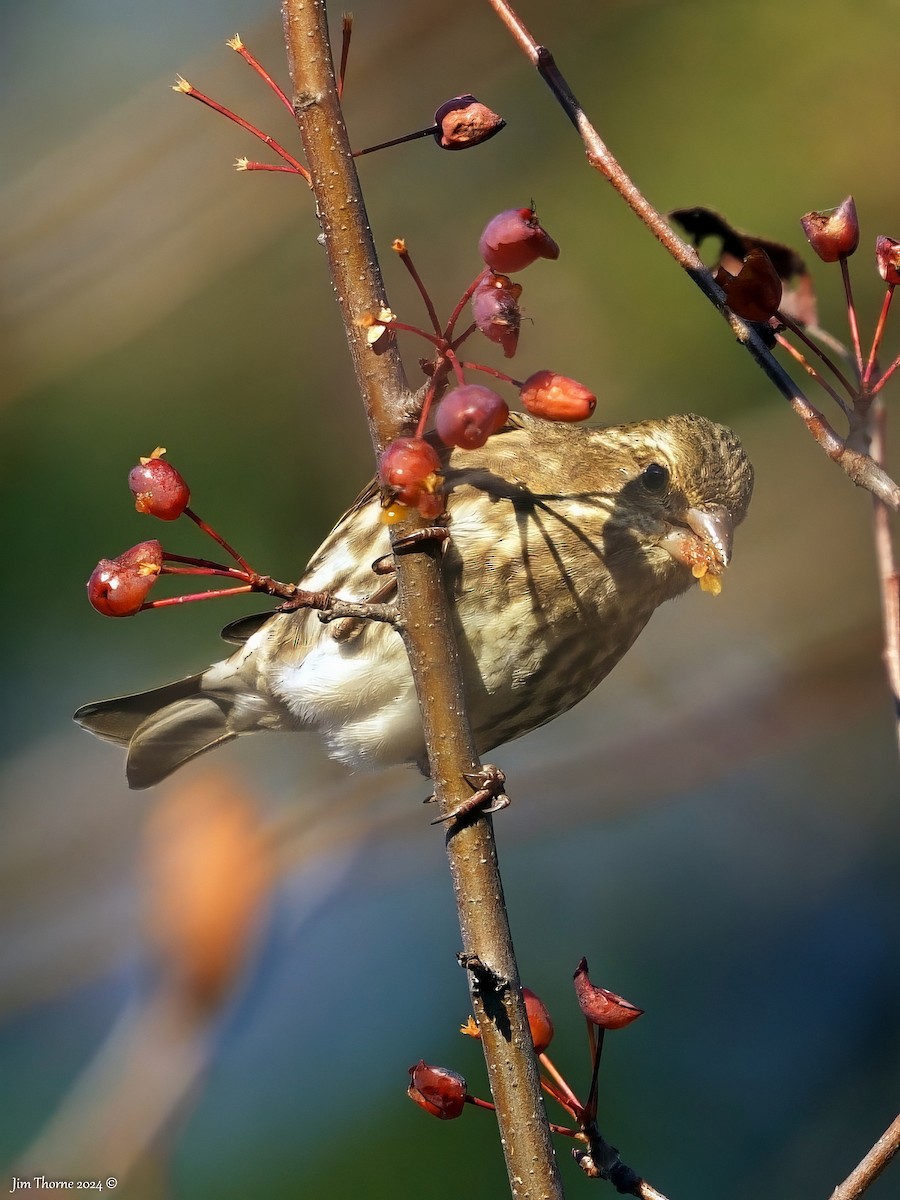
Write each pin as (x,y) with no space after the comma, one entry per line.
(467,414)
(444,1093)
(118,587)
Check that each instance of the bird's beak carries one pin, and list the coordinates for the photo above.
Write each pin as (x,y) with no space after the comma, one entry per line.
(713,528)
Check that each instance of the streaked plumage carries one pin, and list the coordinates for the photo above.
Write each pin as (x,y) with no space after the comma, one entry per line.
(560,550)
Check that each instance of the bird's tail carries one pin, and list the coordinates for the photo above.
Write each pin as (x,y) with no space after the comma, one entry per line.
(162,729)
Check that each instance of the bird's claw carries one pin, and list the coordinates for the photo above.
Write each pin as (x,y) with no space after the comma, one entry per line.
(431,533)
(488,795)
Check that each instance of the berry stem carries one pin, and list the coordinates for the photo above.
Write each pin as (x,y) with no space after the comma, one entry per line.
(571,1100)
(189,90)
(463,337)
(426,407)
(473,366)
(851,313)
(226,572)
(213,595)
(798,331)
(401,326)
(398,141)
(879,332)
(399,247)
(811,370)
(457,367)
(595,1037)
(884,377)
(236,44)
(461,304)
(217,537)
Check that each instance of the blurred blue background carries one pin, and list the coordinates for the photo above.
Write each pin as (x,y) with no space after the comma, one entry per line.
(716,828)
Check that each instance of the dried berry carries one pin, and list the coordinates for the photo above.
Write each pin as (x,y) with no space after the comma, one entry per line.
(495,309)
(603,1008)
(158,488)
(438,1090)
(754,294)
(557,397)
(513,240)
(463,122)
(119,586)
(833,232)
(468,415)
(887,255)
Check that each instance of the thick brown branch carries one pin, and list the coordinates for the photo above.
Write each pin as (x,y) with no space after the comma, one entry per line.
(860,468)
(423,604)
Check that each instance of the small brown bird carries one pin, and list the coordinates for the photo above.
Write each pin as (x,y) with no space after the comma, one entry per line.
(563,541)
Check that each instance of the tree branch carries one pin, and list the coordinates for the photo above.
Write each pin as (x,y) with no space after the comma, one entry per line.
(860,468)
(871,1166)
(425,615)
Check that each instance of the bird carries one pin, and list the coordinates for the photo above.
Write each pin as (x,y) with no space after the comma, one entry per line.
(563,540)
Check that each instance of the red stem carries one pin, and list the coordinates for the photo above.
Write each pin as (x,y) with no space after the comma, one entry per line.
(217,537)
(398,141)
(811,370)
(461,304)
(473,366)
(169,601)
(799,332)
(884,377)
(189,90)
(346,34)
(238,45)
(244,164)
(401,326)
(851,313)
(879,332)
(426,407)
(406,258)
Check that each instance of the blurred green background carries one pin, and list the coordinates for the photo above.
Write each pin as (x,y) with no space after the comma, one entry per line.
(717,828)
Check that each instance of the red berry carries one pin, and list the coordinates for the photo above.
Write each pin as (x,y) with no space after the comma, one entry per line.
(495,308)
(468,415)
(557,397)
(158,488)
(438,1090)
(463,122)
(538,1021)
(833,232)
(603,1008)
(119,586)
(513,240)
(408,468)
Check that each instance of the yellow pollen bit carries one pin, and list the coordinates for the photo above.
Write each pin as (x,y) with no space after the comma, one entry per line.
(470,1029)
(240,164)
(157,453)
(182,85)
(235,43)
(393,514)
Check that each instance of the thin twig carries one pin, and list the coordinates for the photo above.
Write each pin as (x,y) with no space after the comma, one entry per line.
(424,607)
(888,576)
(860,467)
(871,1166)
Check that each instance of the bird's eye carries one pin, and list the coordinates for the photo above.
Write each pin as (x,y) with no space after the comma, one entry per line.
(655,477)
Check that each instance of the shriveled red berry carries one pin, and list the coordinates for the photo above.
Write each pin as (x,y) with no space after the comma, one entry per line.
(463,122)
(556,397)
(604,1008)
(119,586)
(158,487)
(513,240)
(755,292)
(408,468)
(833,232)
(887,255)
(495,309)
(538,1021)
(468,415)
(438,1090)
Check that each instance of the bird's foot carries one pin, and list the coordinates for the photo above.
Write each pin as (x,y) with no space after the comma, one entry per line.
(431,533)
(487,797)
